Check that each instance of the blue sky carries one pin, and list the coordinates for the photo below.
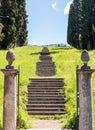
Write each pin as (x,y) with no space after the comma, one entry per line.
(47,21)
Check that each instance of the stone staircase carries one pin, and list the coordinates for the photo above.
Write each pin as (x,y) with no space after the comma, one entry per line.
(45,67)
(44,97)
(43,93)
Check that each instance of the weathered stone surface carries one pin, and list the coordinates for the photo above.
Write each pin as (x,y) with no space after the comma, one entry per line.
(10,57)
(44,97)
(45,58)
(85,56)
(9,110)
(85,101)
(46,67)
(45,51)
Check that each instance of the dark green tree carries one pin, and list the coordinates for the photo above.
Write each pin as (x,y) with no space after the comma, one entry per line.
(71,26)
(93,22)
(84,13)
(86,25)
(74,21)
(14,21)
(9,11)
(22,23)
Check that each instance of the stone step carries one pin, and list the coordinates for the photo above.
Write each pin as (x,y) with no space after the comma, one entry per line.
(44,88)
(45,68)
(45,98)
(45,109)
(45,93)
(45,58)
(46,105)
(46,79)
(45,112)
(45,63)
(61,96)
(45,84)
(46,101)
(46,73)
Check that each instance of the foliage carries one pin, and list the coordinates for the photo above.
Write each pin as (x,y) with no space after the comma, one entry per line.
(1,34)
(9,8)
(22,120)
(80,24)
(71,122)
(22,23)
(13,19)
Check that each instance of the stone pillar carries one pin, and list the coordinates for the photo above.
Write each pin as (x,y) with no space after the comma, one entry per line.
(85,93)
(9,105)
(85,100)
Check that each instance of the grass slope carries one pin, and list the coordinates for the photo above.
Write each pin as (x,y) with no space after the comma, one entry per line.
(66,60)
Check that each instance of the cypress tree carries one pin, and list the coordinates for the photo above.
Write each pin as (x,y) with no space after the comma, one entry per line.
(93,22)
(14,21)
(22,23)
(74,21)
(84,33)
(71,26)
(86,25)
(9,11)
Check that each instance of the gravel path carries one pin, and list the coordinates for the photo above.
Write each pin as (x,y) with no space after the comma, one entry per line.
(46,124)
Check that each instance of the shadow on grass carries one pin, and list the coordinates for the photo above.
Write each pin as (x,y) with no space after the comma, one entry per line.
(35,53)
(54,52)
(63,48)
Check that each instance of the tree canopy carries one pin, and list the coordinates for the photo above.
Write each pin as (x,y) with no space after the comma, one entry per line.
(14,19)
(81,24)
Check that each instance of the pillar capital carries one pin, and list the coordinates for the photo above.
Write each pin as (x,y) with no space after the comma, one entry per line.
(10,71)
(87,71)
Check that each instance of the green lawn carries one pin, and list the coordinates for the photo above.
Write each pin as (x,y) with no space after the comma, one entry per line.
(66,59)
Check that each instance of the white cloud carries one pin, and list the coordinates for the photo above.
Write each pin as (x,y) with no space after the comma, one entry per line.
(54,5)
(67,7)
(33,43)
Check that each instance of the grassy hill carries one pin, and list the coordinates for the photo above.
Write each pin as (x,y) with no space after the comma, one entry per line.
(66,59)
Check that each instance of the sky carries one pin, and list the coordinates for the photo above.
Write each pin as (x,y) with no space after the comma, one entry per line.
(47,21)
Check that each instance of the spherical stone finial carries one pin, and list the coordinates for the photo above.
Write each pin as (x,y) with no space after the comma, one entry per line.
(10,57)
(85,58)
